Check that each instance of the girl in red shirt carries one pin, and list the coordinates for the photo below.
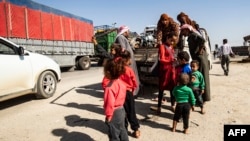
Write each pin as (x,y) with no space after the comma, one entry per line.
(114,97)
(167,79)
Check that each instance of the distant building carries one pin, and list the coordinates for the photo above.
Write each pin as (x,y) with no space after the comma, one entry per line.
(246,40)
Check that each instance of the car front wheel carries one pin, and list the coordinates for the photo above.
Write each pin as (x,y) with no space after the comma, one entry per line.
(46,85)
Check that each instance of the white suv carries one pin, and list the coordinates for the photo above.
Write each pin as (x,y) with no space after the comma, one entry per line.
(23,72)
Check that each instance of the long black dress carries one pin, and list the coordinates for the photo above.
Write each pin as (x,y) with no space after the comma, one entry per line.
(195,44)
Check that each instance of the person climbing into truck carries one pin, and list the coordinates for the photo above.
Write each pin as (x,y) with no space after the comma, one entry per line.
(115,50)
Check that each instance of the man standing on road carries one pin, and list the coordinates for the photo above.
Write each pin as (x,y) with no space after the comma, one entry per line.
(225,51)
(122,39)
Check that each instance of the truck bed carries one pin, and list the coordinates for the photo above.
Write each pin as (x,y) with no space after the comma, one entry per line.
(145,58)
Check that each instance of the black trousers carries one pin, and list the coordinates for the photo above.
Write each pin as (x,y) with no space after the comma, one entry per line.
(198,97)
(129,106)
(225,60)
(182,110)
(160,96)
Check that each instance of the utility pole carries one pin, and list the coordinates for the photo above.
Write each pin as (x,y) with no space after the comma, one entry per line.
(113,24)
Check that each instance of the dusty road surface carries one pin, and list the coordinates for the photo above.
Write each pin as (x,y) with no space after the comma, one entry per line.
(75,113)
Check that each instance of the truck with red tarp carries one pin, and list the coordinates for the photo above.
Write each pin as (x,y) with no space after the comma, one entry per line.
(62,36)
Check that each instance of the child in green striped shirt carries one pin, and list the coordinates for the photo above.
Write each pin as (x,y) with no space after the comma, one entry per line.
(197,84)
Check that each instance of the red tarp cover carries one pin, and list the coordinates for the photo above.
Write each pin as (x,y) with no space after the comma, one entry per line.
(75,29)
(3,26)
(47,30)
(34,24)
(72,27)
(17,24)
(81,31)
(23,22)
(84,31)
(67,28)
(89,32)
(57,27)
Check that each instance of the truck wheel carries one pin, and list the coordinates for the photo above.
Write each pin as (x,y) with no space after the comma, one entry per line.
(84,63)
(46,85)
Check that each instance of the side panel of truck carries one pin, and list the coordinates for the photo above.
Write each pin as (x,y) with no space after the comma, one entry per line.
(64,37)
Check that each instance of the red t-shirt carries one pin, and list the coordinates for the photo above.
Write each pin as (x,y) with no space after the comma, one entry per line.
(114,96)
(129,78)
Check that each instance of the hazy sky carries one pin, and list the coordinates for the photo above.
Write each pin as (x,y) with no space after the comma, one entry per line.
(221,18)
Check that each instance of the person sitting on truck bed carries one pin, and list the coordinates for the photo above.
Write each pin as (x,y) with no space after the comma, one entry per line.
(165,26)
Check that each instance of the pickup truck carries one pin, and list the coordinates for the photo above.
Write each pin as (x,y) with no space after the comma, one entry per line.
(145,58)
(146,55)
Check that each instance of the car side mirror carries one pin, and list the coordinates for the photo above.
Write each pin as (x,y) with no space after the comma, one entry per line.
(21,51)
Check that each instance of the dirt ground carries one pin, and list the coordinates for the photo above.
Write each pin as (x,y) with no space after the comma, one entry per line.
(230,99)
(76,112)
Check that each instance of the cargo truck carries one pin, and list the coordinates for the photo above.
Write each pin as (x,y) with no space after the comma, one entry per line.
(62,36)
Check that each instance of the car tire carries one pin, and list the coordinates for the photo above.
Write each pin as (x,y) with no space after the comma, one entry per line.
(46,85)
(84,63)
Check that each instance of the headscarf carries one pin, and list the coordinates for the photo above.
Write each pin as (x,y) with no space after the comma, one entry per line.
(122,29)
(187,26)
(186,17)
(164,16)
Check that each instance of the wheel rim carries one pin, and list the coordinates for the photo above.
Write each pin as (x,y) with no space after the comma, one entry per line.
(86,63)
(48,84)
